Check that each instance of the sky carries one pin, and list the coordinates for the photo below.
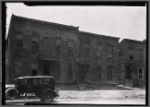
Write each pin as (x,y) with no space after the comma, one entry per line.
(116,21)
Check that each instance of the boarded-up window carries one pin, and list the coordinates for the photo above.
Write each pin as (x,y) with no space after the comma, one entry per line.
(34,43)
(19,40)
(110,73)
(19,69)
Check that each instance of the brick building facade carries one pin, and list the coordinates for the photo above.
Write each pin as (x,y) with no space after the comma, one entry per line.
(132,63)
(43,48)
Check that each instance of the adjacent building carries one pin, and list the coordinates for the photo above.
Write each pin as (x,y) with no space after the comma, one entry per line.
(36,47)
(132,63)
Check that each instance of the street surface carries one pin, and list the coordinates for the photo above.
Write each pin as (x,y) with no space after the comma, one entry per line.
(92,97)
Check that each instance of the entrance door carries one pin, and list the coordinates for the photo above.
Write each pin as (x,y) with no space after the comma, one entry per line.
(82,72)
(46,69)
(128,72)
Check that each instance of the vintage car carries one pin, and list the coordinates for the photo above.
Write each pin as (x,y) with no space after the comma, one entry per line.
(42,87)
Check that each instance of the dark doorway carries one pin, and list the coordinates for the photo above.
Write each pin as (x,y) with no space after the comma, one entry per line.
(99,71)
(128,72)
(83,69)
(46,69)
(51,68)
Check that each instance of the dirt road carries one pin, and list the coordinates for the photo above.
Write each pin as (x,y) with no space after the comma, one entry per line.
(93,97)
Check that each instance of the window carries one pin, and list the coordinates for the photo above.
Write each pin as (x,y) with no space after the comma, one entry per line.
(34,43)
(99,51)
(120,53)
(35,81)
(23,82)
(70,49)
(19,68)
(110,52)
(87,52)
(131,53)
(34,68)
(58,47)
(40,81)
(140,73)
(46,81)
(140,54)
(110,73)
(99,71)
(19,40)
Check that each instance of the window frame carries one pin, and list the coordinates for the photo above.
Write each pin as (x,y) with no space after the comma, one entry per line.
(110,72)
(19,40)
(99,71)
(140,74)
(35,43)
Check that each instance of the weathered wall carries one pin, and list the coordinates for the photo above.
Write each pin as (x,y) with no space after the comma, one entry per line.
(55,42)
(136,63)
(47,36)
(103,61)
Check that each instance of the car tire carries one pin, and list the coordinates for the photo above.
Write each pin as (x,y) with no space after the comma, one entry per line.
(47,97)
(11,93)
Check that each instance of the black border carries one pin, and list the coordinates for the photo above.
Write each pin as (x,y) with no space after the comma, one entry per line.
(80,3)
(3,17)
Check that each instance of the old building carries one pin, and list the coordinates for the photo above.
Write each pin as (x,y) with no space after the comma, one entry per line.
(98,55)
(42,48)
(132,63)
(37,47)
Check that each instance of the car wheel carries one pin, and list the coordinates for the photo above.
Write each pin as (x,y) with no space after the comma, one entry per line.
(11,93)
(47,97)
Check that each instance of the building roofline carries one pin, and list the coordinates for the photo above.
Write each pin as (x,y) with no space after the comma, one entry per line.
(99,35)
(45,22)
(131,41)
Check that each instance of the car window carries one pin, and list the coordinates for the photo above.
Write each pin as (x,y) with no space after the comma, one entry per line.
(34,81)
(23,82)
(46,81)
(40,81)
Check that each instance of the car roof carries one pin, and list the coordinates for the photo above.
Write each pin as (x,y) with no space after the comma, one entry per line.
(38,76)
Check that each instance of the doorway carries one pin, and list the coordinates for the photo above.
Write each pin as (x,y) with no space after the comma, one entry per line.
(83,69)
(46,69)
